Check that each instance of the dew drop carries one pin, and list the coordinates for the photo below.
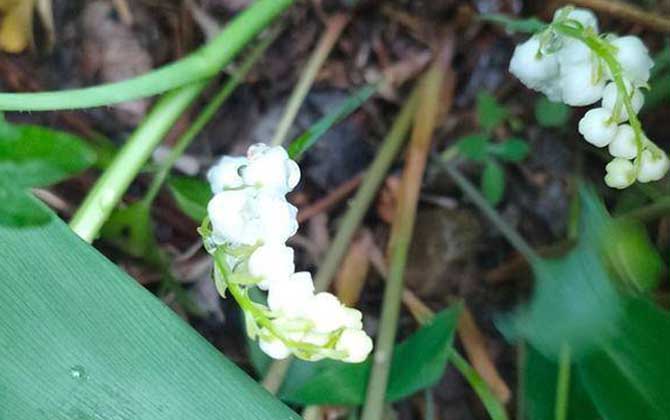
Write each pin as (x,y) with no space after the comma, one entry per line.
(78,372)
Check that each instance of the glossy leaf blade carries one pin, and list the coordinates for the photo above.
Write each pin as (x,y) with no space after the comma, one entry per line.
(82,340)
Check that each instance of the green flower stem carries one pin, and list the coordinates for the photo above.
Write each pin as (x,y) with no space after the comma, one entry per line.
(604,50)
(366,192)
(111,186)
(318,57)
(206,115)
(201,64)
(492,405)
(563,384)
(402,229)
(508,232)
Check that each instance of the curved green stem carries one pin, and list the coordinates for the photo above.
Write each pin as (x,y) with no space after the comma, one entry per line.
(493,406)
(202,64)
(563,384)
(206,115)
(111,186)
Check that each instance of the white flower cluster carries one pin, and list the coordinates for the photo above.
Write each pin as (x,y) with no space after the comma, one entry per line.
(250,224)
(568,69)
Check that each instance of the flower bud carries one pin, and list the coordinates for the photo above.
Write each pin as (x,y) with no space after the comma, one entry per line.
(226,173)
(272,263)
(624,145)
(634,58)
(597,128)
(653,166)
(578,85)
(272,346)
(233,218)
(611,97)
(326,312)
(534,69)
(620,173)
(356,344)
(270,168)
(290,297)
(584,16)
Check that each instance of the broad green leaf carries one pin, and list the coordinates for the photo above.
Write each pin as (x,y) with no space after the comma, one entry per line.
(82,340)
(511,150)
(530,25)
(490,113)
(574,301)
(493,182)
(33,156)
(540,377)
(191,195)
(474,146)
(628,376)
(19,208)
(331,382)
(307,139)
(551,114)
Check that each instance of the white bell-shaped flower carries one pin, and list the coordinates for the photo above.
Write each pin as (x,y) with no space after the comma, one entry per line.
(270,168)
(272,346)
(272,263)
(326,312)
(653,166)
(620,173)
(634,58)
(291,296)
(597,127)
(225,174)
(276,216)
(535,70)
(611,97)
(580,85)
(356,344)
(234,218)
(624,145)
(584,16)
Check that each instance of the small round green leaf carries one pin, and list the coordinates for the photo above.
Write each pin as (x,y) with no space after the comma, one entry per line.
(474,146)
(493,182)
(511,150)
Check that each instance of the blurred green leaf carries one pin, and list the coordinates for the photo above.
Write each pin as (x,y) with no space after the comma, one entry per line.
(489,112)
(627,377)
(33,156)
(307,139)
(131,229)
(551,114)
(574,301)
(418,363)
(19,208)
(191,195)
(531,25)
(82,340)
(493,182)
(511,150)
(540,376)
(474,146)
(631,255)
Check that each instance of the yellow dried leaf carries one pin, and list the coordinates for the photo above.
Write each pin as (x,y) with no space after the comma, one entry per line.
(17,25)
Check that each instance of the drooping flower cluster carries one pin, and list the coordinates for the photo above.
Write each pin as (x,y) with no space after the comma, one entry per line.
(249,222)
(571,63)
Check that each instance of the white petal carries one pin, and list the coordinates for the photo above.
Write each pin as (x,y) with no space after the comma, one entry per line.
(653,166)
(584,16)
(277,217)
(270,168)
(624,145)
(531,67)
(273,347)
(232,216)
(272,263)
(327,313)
(290,297)
(356,344)
(579,87)
(597,128)
(611,96)
(226,173)
(634,58)
(620,173)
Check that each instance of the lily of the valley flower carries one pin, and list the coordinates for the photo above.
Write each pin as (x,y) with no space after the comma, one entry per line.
(249,224)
